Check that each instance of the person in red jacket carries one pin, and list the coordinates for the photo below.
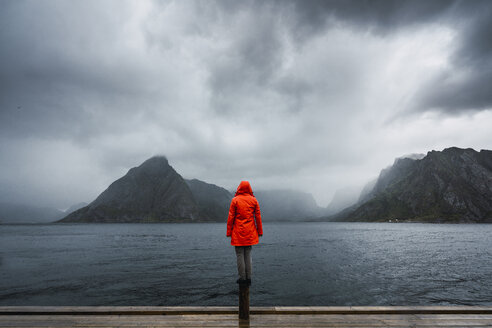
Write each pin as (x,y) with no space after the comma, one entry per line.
(244,227)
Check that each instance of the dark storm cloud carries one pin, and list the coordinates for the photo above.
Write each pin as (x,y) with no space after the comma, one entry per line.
(251,56)
(382,16)
(285,93)
(466,85)
(259,49)
(58,67)
(42,57)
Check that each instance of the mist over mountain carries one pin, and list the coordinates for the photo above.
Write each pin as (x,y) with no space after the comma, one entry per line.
(366,191)
(349,196)
(287,205)
(75,207)
(22,213)
(454,185)
(342,199)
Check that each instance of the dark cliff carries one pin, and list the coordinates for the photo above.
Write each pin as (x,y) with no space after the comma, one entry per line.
(454,185)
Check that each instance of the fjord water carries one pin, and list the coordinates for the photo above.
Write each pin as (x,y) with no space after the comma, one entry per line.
(294,264)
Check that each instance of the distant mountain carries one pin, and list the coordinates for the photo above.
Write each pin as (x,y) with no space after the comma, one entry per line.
(151,192)
(287,205)
(155,192)
(75,207)
(342,199)
(213,201)
(22,213)
(366,191)
(454,185)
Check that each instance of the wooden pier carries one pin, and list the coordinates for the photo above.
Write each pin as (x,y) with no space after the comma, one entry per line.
(212,316)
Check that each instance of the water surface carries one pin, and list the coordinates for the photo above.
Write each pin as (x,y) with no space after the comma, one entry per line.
(294,264)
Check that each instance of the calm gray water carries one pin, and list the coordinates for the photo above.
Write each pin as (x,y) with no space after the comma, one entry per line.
(294,264)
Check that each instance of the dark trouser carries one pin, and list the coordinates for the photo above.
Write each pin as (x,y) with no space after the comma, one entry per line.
(244,263)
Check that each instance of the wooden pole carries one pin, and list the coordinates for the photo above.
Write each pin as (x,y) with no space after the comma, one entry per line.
(243,302)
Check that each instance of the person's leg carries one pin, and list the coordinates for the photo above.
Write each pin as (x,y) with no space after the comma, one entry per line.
(248,262)
(241,267)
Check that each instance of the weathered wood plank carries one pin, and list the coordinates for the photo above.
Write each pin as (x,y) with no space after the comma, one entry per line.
(378,309)
(258,321)
(288,317)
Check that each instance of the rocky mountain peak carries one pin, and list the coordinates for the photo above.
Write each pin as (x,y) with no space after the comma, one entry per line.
(151,192)
(155,163)
(453,185)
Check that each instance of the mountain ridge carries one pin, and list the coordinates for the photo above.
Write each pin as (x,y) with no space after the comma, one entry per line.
(155,192)
(453,185)
(151,192)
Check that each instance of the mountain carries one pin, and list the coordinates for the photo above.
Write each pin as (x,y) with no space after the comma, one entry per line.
(155,192)
(342,199)
(453,185)
(75,207)
(151,192)
(366,192)
(287,205)
(213,201)
(22,213)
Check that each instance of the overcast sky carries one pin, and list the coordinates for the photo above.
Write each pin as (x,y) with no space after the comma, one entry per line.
(309,95)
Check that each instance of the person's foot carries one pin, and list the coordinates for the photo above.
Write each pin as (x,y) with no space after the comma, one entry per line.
(242,281)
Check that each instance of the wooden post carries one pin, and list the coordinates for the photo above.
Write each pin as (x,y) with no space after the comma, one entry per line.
(243,302)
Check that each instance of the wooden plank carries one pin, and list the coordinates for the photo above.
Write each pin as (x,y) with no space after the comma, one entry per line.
(256,321)
(253,324)
(288,317)
(378,310)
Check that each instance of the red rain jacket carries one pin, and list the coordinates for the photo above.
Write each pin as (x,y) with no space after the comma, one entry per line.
(244,221)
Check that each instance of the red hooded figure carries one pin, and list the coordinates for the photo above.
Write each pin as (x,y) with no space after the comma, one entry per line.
(244,221)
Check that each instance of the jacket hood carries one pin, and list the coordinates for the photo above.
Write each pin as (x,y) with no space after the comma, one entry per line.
(244,188)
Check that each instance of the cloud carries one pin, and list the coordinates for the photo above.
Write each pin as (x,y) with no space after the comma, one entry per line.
(379,16)
(465,85)
(289,94)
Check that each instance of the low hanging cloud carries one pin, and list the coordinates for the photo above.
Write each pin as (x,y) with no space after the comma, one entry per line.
(311,95)
(465,85)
